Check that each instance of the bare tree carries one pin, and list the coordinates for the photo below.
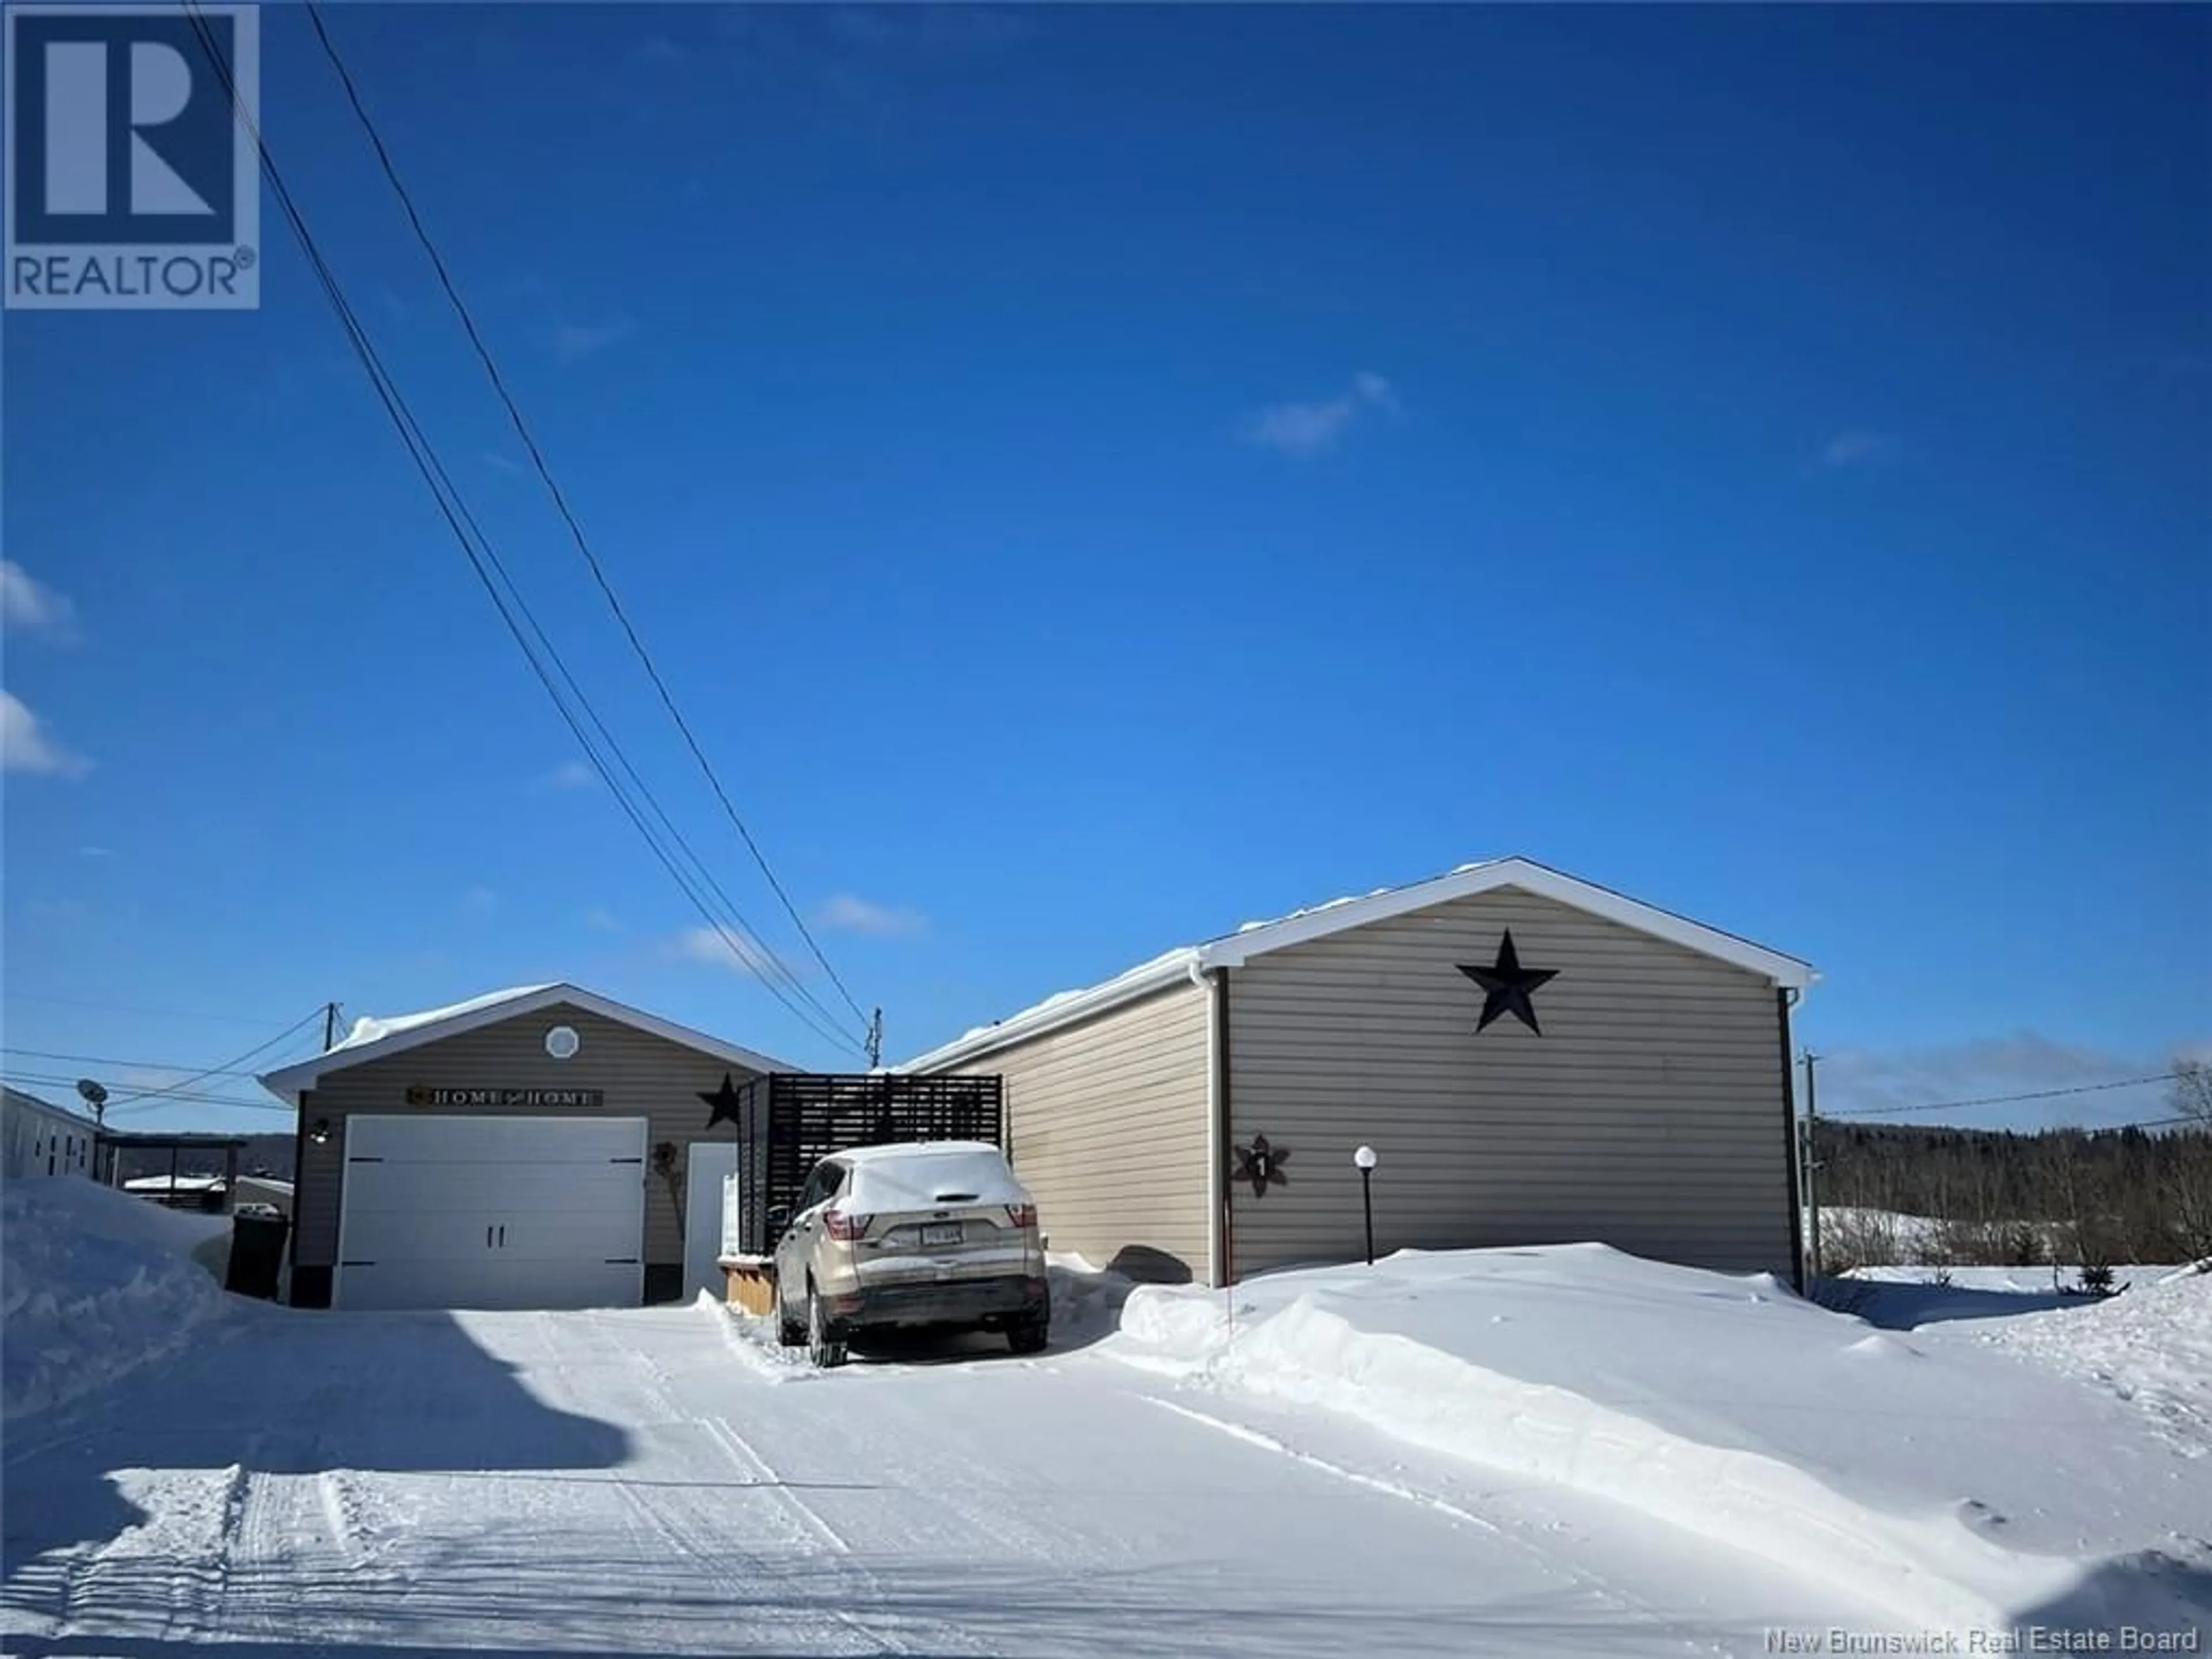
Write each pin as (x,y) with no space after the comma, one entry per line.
(2191,1093)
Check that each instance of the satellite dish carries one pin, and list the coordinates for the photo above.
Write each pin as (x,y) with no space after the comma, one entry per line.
(94,1095)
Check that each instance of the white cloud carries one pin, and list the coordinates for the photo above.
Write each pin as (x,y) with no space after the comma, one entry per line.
(480,900)
(601,920)
(733,952)
(847,913)
(1303,429)
(574,342)
(28,606)
(95,852)
(1858,448)
(1374,389)
(569,774)
(25,748)
(1855,1080)
(499,463)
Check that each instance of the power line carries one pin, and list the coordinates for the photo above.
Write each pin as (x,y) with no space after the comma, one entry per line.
(452,507)
(228,1065)
(2007,1100)
(15,995)
(149,1100)
(110,1059)
(561,503)
(2074,1129)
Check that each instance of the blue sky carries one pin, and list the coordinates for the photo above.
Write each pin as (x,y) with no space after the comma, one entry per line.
(1093,477)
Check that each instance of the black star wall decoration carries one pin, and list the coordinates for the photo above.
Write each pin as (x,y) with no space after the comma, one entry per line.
(725,1100)
(1507,986)
(1262,1165)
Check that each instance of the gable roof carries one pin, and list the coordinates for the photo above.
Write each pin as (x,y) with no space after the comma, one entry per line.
(374,1039)
(1256,938)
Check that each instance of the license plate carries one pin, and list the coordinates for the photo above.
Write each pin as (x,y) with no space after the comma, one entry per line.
(947,1232)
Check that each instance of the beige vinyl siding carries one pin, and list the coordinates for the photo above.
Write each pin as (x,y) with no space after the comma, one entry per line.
(1648,1114)
(639,1074)
(1107,1126)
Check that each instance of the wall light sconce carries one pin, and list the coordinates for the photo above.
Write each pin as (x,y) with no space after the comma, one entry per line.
(320,1135)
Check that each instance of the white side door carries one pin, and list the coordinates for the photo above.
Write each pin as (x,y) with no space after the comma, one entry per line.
(708,1164)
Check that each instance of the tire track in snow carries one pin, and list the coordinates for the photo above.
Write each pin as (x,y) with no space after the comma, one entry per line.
(188,1537)
(746,1459)
(803,1526)
(1607,1595)
(1374,1483)
(341,1510)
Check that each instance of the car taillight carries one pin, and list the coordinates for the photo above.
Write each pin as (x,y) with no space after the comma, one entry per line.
(1022,1215)
(845,1229)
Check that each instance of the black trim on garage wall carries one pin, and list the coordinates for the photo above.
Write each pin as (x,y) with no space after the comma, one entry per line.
(1224,1212)
(1783,998)
(299,1161)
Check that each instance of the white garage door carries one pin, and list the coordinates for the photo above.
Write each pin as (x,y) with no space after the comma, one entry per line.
(492,1212)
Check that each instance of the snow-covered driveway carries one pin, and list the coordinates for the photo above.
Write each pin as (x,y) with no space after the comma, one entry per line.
(373,1485)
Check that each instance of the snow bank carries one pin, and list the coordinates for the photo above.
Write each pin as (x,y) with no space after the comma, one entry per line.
(1919,1298)
(1087,1301)
(2151,1346)
(1950,1487)
(93,1284)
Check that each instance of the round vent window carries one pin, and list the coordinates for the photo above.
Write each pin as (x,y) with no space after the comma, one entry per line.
(562,1043)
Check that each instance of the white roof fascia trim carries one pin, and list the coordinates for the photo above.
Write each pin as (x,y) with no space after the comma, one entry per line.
(291,1080)
(1139,981)
(1234,950)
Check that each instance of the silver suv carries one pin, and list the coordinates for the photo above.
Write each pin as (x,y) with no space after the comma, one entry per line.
(935,1233)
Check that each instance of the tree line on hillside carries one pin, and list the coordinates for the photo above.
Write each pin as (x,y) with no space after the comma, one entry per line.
(2089,1198)
(265,1154)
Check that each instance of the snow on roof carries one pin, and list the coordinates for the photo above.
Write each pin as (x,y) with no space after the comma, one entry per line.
(370,1029)
(1253,938)
(373,1038)
(177,1184)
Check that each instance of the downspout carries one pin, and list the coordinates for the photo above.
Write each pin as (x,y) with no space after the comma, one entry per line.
(1786,998)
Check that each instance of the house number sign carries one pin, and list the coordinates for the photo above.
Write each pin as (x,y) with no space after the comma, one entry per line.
(561,1099)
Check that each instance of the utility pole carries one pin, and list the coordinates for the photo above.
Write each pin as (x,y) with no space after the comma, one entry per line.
(1811,1160)
(876,1040)
(330,1025)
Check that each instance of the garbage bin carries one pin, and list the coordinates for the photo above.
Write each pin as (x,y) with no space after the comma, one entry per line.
(257,1254)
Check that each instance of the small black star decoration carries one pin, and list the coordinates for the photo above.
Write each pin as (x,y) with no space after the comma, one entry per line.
(1262,1165)
(725,1100)
(1506,986)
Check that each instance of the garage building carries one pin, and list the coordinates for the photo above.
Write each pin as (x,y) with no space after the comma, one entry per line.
(1533,1058)
(533,1148)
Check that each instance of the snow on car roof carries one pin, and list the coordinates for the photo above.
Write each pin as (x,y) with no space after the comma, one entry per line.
(922,1175)
(900,1150)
